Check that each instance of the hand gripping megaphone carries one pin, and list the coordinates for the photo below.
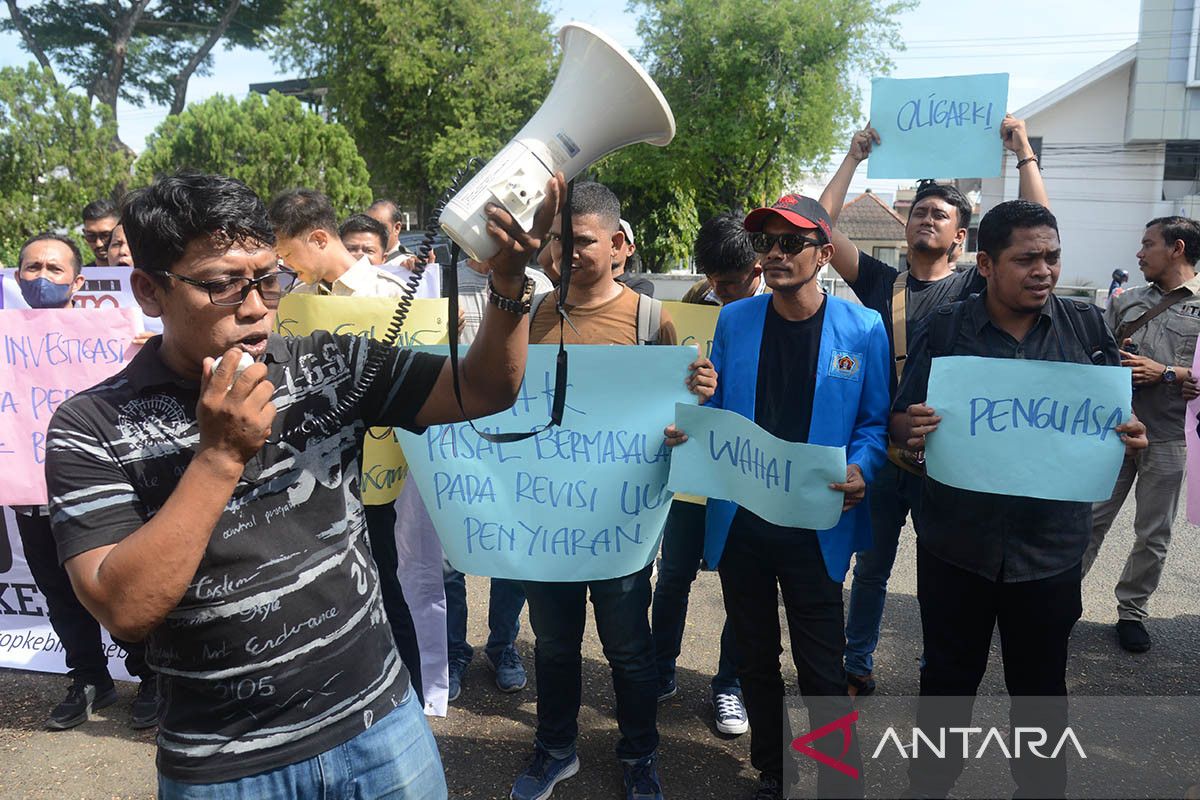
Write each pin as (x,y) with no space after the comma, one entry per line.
(601,101)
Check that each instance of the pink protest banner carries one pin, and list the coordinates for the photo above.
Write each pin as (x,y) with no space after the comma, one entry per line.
(1193,451)
(45,357)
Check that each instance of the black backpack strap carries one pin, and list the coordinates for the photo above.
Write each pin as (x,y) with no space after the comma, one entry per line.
(943,326)
(1088,327)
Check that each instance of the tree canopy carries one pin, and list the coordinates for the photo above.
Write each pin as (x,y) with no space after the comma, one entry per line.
(137,50)
(422,85)
(761,91)
(56,156)
(271,143)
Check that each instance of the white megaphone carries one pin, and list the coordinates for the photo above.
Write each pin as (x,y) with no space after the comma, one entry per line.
(601,100)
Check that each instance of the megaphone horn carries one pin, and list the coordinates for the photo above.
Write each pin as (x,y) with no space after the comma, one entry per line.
(601,101)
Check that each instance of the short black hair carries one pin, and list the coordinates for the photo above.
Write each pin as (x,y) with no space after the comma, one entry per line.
(297,211)
(393,209)
(162,219)
(997,225)
(723,246)
(76,259)
(99,209)
(1180,229)
(949,193)
(596,198)
(361,223)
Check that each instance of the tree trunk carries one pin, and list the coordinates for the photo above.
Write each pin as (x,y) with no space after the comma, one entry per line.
(27,37)
(108,88)
(180,84)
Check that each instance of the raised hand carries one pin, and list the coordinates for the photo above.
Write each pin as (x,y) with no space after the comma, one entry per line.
(861,144)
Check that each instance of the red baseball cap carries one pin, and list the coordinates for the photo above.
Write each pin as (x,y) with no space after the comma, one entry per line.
(801,211)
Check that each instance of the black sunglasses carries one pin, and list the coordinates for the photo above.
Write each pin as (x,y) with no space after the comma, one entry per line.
(234,291)
(789,243)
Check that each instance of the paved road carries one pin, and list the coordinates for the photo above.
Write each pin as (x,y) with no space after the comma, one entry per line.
(487,736)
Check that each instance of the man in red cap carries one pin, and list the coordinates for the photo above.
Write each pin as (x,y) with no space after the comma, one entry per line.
(810,368)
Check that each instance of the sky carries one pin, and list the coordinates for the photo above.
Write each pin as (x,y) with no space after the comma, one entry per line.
(940,38)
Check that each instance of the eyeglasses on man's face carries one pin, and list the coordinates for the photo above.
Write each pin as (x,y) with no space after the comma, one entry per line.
(233,291)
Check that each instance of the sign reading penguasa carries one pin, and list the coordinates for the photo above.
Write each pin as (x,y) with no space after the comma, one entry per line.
(384,468)
(584,501)
(1027,428)
(731,458)
(938,127)
(45,357)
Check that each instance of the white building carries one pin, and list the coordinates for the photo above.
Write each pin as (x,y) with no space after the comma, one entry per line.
(1119,145)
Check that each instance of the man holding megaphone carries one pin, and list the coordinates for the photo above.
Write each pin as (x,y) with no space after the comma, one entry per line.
(197,506)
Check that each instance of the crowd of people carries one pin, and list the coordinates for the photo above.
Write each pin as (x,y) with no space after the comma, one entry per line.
(209,516)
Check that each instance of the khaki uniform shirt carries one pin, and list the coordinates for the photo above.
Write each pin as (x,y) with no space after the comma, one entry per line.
(1169,339)
(363,279)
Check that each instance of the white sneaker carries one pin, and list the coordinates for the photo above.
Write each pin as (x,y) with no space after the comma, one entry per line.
(730,714)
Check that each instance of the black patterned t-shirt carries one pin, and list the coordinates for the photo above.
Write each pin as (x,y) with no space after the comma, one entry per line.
(279,650)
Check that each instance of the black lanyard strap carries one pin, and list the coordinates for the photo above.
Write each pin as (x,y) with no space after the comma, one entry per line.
(559,402)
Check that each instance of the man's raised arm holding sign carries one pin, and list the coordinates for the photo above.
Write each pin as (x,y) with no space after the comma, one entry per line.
(985,559)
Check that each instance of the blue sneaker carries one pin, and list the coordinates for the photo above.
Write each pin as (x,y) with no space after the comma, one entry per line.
(544,772)
(667,690)
(641,780)
(730,713)
(457,668)
(510,672)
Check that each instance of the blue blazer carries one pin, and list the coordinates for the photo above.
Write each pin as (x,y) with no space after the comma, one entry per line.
(850,407)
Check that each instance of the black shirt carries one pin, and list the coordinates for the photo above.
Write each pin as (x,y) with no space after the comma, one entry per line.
(1002,538)
(280,648)
(787,378)
(876,281)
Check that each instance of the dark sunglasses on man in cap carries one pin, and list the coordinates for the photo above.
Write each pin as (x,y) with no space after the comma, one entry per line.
(789,243)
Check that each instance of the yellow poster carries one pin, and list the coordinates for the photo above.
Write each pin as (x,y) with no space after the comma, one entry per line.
(695,324)
(384,467)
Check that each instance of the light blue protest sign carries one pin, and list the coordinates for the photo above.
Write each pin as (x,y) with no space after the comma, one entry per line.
(584,501)
(1027,428)
(728,457)
(938,127)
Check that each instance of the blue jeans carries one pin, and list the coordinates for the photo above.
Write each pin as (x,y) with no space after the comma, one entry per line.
(892,495)
(395,758)
(505,601)
(682,548)
(557,612)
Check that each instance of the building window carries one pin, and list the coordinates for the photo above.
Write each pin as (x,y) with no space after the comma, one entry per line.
(1181,170)
(1036,143)
(887,255)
